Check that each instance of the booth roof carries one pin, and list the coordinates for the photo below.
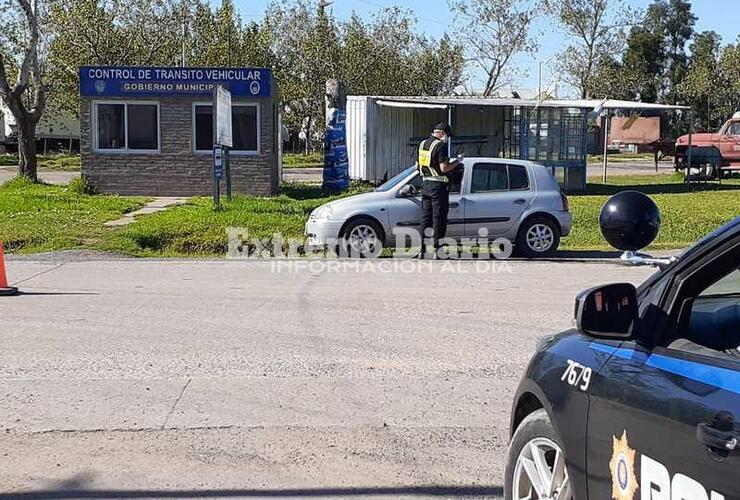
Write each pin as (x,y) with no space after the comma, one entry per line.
(444,102)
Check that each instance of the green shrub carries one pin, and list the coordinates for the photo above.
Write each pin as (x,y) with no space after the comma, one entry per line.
(80,186)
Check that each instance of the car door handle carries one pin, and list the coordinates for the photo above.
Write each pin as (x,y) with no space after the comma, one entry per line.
(520,201)
(720,434)
(454,204)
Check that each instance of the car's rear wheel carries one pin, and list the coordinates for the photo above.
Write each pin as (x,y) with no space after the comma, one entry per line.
(536,467)
(361,237)
(538,237)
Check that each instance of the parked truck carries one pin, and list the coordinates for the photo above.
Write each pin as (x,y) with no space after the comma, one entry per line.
(712,154)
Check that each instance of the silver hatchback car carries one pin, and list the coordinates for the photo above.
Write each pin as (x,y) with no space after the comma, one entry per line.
(514,199)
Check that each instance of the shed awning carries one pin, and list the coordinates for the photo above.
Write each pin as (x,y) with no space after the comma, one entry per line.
(444,102)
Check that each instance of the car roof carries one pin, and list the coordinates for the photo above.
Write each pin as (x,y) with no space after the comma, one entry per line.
(508,161)
(722,232)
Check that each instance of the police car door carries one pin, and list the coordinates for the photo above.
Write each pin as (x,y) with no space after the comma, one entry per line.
(663,420)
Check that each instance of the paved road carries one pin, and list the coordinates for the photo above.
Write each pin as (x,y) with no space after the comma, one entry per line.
(638,167)
(232,379)
(48,176)
(314,175)
(303,174)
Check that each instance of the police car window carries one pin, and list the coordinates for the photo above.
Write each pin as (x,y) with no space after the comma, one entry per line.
(714,324)
(729,285)
(489,177)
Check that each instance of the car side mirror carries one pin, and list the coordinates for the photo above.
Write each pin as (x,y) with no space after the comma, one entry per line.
(407,191)
(607,312)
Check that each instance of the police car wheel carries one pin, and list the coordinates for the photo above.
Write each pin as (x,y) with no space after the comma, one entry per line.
(537,237)
(361,238)
(536,467)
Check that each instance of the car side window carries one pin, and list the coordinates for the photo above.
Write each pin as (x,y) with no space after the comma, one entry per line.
(518,177)
(489,177)
(714,323)
(734,128)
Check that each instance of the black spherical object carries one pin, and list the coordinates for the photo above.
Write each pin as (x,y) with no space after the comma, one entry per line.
(630,220)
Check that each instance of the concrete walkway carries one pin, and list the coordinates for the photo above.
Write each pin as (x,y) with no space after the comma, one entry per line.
(154,206)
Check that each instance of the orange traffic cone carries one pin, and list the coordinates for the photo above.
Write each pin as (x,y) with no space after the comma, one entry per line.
(5,290)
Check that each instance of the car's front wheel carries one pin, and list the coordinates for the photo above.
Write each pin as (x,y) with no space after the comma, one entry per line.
(538,237)
(536,465)
(361,237)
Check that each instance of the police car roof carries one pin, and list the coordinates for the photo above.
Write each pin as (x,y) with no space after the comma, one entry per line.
(721,232)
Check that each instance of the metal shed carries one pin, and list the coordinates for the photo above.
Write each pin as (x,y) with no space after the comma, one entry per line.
(383,133)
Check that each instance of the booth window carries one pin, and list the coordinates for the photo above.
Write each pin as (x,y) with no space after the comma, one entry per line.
(124,126)
(244,128)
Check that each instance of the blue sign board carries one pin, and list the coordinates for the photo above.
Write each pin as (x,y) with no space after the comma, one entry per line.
(122,81)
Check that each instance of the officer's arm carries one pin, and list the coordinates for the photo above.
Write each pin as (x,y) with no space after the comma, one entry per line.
(449,166)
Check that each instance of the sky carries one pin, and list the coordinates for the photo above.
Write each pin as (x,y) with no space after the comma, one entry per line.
(434,17)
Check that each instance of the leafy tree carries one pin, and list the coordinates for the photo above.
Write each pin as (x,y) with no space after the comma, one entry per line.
(501,30)
(644,59)
(700,86)
(678,28)
(108,32)
(614,80)
(306,53)
(22,79)
(729,74)
(388,47)
(598,30)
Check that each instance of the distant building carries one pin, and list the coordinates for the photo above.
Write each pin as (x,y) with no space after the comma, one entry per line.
(150,130)
(55,131)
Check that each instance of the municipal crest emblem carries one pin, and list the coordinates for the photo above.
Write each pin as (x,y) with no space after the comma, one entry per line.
(99,86)
(622,465)
(254,87)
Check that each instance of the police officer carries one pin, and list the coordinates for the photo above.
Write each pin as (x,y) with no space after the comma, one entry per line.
(434,166)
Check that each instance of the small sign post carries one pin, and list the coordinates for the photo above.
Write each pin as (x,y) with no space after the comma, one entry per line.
(222,141)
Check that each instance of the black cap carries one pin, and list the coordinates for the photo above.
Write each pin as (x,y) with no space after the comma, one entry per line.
(444,128)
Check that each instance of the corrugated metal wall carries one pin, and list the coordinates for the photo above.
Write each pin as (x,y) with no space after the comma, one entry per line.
(357,122)
(391,152)
(383,140)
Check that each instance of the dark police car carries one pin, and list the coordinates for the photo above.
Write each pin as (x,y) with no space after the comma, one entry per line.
(640,400)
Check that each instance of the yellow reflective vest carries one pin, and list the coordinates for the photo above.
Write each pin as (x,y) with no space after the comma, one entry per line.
(428,171)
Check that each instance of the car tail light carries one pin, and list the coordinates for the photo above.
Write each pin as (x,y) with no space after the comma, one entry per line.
(566,204)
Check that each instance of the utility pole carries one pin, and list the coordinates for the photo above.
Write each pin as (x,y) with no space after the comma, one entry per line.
(323,4)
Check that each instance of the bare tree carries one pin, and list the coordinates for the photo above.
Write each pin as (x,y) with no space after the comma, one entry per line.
(497,31)
(598,28)
(26,98)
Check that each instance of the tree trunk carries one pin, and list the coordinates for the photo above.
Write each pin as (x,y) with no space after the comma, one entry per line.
(27,150)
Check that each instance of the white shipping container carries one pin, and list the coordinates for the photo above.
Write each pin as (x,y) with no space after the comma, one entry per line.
(357,136)
(378,137)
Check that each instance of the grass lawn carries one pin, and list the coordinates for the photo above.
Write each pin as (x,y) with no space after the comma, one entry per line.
(689,212)
(196,229)
(299,160)
(59,162)
(38,217)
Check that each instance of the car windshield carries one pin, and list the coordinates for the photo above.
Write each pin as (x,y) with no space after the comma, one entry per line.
(395,181)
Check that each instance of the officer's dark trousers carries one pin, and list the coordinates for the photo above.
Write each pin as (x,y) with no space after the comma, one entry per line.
(435,204)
